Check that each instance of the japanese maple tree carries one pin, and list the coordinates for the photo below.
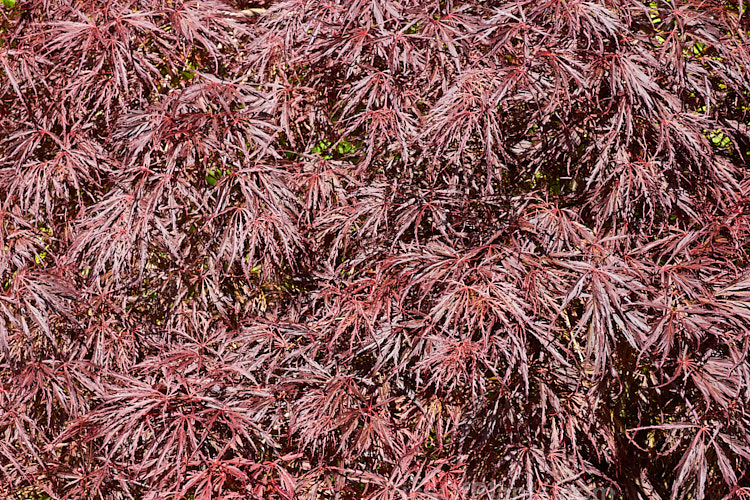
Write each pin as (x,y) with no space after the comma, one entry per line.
(379,249)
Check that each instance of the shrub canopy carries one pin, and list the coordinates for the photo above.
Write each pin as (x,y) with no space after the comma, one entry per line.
(375,249)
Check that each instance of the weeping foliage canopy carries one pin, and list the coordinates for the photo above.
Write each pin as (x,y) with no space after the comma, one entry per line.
(378,249)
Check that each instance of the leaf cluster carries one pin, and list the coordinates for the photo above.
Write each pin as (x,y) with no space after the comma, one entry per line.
(375,249)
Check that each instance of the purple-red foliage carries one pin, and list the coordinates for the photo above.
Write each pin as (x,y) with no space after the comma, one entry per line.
(380,249)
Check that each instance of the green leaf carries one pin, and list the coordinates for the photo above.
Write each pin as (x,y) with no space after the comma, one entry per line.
(719,138)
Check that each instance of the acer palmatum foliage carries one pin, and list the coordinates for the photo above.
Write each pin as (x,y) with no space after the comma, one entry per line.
(374,249)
